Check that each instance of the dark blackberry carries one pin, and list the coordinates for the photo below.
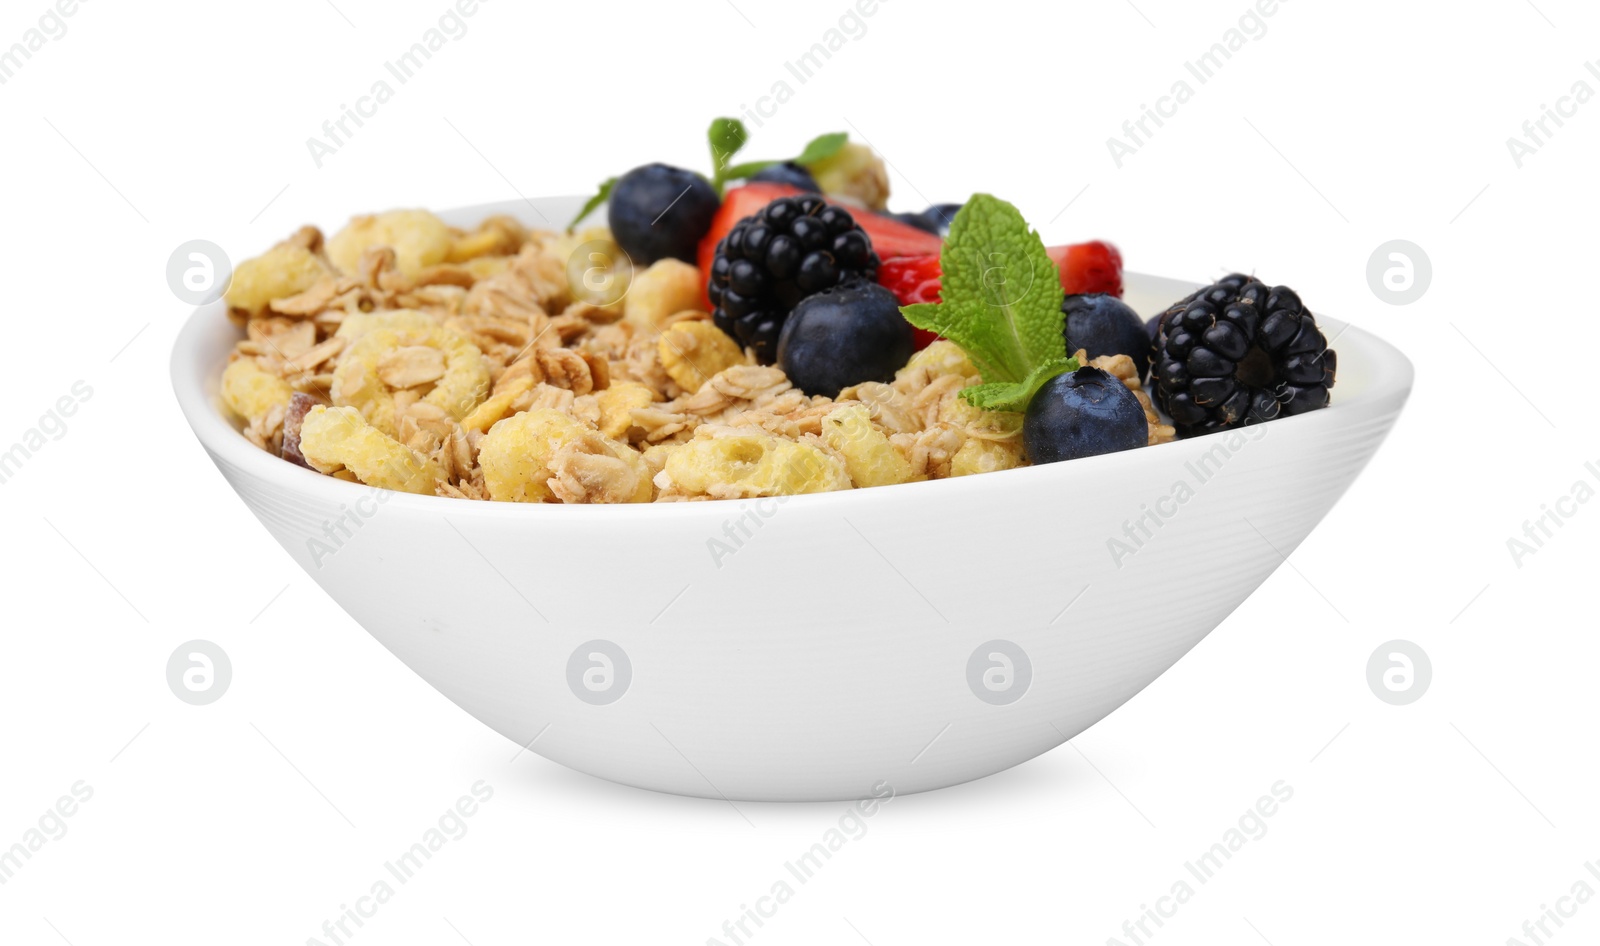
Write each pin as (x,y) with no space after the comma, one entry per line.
(770,260)
(1240,352)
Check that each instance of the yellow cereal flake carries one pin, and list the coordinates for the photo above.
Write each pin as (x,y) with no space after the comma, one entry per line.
(287,269)
(655,456)
(869,457)
(985,456)
(516,456)
(602,276)
(496,236)
(250,392)
(941,358)
(495,409)
(693,352)
(358,324)
(668,287)
(334,438)
(483,267)
(418,238)
(745,462)
(358,381)
(617,404)
(954,410)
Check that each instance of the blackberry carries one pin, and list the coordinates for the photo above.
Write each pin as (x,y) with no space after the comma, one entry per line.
(1240,352)
(770,260)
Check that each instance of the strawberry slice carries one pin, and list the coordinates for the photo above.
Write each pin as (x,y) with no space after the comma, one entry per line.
(890,238)
(913,279)
(1089,267)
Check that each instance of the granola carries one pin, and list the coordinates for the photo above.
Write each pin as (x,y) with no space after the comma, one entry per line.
(482,364)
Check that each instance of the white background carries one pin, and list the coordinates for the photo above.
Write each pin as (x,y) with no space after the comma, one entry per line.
(1345,125)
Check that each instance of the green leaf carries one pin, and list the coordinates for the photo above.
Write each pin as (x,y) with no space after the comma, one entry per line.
(600,197)
(822,147)
(1000,301)
(727,136)
(1015,395)
(740,172)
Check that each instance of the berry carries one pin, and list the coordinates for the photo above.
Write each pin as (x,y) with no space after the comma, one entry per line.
(1152,326)
(921,221)
(847,335)
(890,238)
(1082,413)
(1089,267)
(786,251)
(913,279)
(657,212)
(790,173)
(1240,352)
(1105,325)
(943,215)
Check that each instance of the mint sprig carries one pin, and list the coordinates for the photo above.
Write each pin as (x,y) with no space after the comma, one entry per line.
(1001,302)
(822,148)
(727,136)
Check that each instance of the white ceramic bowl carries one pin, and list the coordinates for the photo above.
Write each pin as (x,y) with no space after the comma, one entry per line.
(847,638)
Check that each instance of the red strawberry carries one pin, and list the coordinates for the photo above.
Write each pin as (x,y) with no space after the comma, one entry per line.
(913,279)
(1089,267)
(890,238)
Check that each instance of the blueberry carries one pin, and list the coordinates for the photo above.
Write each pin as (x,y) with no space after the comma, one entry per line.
(1105,325)
(1152,327)
(921,221)
(943,215)
(1082,414)
(846,335)
(659,211)
(795,175)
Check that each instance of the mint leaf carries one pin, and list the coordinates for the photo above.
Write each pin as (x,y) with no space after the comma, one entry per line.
(745,171)
(727,136)
(1000,301)
(822,147)
(600,197)
(1015,395)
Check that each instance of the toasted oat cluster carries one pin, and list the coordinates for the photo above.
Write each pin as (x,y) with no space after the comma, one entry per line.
(406,354)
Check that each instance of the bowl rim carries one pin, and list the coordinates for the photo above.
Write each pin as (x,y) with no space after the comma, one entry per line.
(196,369)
